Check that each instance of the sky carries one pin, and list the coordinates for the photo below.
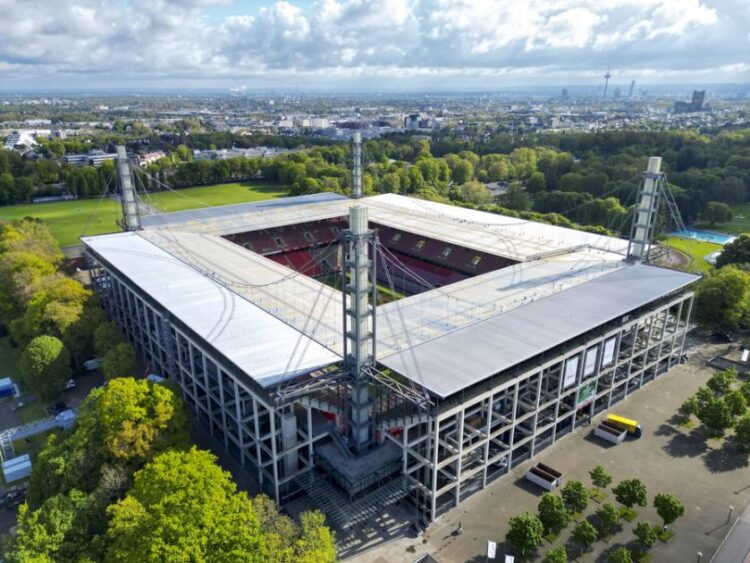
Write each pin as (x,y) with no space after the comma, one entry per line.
(370,45)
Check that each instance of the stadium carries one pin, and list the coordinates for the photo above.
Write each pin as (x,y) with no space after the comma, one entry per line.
(367,351)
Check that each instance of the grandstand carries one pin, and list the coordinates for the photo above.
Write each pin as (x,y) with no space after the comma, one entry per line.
(509,335)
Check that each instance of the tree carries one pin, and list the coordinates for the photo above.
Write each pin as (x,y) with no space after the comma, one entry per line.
(462,172)
(183,503)
(716,415)
(668,507)
(45,367)
(646,534)
(631,492)
(584,534)
(742,433)
(735,252)
(536,183)
(524,533)
(717,212)
(120,361)
(570,182)
(608,516)
(42,533)
(723,299)
(475,192)
(56,303)
(689,406)
(106,336)
(600,477)
(620,555)
(575,495)
(556,555)
(736,402)
(552,513)
(515,198)
(721,382)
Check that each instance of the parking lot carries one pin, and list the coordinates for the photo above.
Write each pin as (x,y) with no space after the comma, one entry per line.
(707,477)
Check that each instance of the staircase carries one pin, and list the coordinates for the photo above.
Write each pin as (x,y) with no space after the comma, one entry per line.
(340,510)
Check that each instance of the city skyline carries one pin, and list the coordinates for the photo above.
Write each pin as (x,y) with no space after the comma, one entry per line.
(353,45)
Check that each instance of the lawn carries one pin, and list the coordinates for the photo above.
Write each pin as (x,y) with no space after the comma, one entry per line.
(69,220)
(740,224)
(219,194)
(695,250)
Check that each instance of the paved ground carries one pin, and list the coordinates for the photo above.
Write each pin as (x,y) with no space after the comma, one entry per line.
(707,478)
(736,546)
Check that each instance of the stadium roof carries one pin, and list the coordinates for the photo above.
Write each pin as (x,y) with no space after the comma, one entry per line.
(262,346)
(464,357)
(445,339)
(497,234)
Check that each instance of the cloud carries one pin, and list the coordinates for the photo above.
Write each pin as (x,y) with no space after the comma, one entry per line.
(162,41)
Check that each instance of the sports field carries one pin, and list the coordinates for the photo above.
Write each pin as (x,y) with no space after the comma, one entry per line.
(219,194)
(69,220)
(696,251)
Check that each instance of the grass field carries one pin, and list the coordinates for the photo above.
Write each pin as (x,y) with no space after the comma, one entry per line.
(696,252)
(219,194)
(68,220)
(740,224)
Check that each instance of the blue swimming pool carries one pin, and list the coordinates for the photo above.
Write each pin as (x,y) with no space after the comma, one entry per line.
(706,236)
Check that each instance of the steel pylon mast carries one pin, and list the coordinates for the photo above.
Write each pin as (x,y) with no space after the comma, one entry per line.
(130,213)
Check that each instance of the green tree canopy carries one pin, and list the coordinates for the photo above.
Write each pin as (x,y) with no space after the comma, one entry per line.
(536,183)
(43,535)
(45,367)
(646,534)
(600,477)
(608,516)
(717,212)
(525,533)
(723,299)
(120,361)
(575,495)
(631,492)
(742,433)
(668,507)
(184,507)
(556,555)
(552,513)
(584,534)
(107,335)
(735,252)
(620,555)
(721,382)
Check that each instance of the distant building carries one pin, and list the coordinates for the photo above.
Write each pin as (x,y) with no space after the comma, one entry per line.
(411,122)
(20,139)
(93,158)
(618,93)
(149,157)
(632,89)
(699,97)
(564,94)
(695,104)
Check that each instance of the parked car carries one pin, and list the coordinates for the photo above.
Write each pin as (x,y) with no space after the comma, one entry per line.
(71,384)
(57,408)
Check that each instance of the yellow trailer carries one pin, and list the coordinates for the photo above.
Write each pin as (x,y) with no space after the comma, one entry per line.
(632,426)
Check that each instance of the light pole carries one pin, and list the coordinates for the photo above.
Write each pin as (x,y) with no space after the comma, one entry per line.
(731,511)
(699,556)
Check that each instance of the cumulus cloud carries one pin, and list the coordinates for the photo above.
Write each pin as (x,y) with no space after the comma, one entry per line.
(162,40)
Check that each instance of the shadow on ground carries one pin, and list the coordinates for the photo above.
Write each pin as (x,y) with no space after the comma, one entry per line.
(686,445)
(727,458)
